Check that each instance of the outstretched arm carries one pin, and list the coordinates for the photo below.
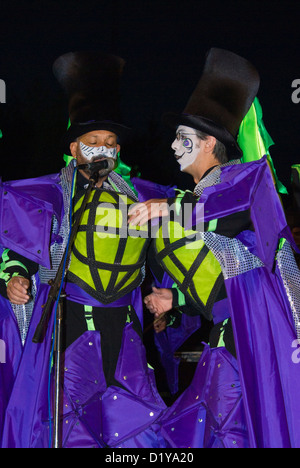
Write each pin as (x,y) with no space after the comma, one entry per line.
(141,213)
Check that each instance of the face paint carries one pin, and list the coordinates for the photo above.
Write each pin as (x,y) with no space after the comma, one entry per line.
(186,146)
(93,152)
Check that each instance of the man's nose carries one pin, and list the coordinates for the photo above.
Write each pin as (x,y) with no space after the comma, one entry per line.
(174,145)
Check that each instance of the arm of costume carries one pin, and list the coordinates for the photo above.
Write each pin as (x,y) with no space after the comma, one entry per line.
(228,209)
(180,303)
(229,226)
(13,264)
(28,206)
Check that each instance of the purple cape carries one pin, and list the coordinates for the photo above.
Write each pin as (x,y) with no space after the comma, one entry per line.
(91,411)
(93,415)
(252,401)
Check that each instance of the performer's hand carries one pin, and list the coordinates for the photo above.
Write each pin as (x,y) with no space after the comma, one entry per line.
(17,290)
(159,301)
(160,324)
(141,213)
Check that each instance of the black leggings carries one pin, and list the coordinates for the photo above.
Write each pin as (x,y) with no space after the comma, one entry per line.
(110,322)
(224,329)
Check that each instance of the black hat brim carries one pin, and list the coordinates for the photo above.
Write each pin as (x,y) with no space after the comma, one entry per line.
(207,126)
(78,129)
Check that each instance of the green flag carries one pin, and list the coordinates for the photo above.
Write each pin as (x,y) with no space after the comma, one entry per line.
(66,157)
(254,140)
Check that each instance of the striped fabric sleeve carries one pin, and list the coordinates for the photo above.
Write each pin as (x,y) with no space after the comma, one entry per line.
(13,264)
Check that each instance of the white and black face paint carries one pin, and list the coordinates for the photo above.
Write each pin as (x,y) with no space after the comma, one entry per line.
(94,152)
(186,146)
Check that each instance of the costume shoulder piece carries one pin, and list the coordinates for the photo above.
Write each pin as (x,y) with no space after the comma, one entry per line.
(28,206)
(247,186)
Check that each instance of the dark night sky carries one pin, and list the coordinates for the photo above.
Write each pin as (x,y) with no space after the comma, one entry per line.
(164,43)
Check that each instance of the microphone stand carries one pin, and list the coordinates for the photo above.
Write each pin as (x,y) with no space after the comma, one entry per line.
(52,298)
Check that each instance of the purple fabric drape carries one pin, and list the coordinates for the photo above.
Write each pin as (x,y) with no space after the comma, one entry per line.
(96,416)
(93,415)
(27,206)
(24,394)
(210,412)
(27,404)
(265,413)
(147,189)
(247,186)
(264,334)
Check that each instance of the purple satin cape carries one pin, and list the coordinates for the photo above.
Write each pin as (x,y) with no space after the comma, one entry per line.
(264,335)
(247,186)
(266,411)
(148,190)
(27,402)
(27,206)
(92,417)
(24,395)
(210,412)
(95,416)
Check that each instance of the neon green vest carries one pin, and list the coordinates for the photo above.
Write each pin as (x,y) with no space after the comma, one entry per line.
(190,264)
(107,259)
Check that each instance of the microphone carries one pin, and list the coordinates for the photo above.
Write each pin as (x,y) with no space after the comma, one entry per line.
(95,166)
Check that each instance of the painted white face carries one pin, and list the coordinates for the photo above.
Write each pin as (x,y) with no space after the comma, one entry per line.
(92,152)
(186,146)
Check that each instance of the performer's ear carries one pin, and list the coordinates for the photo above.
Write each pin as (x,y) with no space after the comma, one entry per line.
(73,148)
(210,142)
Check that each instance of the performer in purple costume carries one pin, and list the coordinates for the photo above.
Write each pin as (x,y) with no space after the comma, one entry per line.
(245,392)
(109,392)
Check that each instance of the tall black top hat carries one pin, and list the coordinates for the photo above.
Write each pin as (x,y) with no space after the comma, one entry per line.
(91,81)
(221,99)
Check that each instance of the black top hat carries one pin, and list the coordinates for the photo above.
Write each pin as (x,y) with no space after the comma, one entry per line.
(91,81)
(221,99)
